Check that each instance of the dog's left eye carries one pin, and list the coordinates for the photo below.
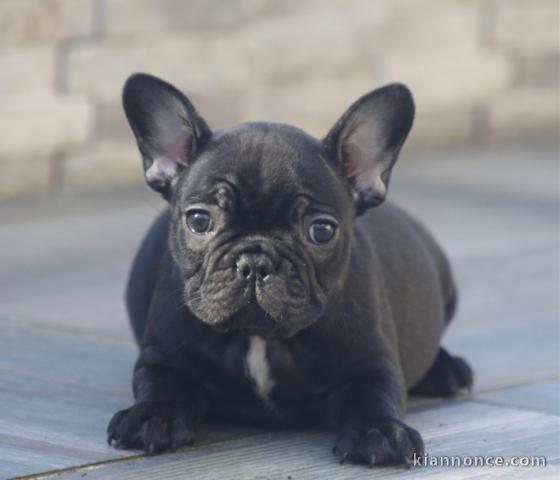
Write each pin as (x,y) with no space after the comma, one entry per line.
(321,231)
(199,221)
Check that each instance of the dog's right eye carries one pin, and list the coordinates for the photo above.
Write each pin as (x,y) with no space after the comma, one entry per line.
(199,221)
(322,231)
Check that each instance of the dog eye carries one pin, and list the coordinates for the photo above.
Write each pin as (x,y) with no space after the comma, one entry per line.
(321,231)
(199,221)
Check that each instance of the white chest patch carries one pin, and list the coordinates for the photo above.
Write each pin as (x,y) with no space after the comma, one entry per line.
(257,367)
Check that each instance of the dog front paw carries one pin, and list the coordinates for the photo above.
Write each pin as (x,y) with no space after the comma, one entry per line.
(383,442)
(151,426)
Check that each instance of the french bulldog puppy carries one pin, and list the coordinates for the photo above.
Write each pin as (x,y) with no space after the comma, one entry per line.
(276,288)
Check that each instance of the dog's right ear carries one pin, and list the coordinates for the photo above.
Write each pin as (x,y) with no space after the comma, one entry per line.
(168,129)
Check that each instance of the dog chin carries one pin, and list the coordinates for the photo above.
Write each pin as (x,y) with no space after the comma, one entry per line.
(255,311)
(252,319)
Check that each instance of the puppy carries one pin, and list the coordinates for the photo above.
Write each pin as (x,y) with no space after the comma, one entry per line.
(276,288)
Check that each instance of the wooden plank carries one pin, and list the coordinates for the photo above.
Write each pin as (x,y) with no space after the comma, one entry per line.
(13,457)
(58,392)
(46,425)
(76,279)
(60,426)
(66,357)
(464,428)
(507,324)
(544,397)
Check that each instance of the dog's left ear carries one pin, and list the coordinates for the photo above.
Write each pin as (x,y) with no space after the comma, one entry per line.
(169,131)
(367,140)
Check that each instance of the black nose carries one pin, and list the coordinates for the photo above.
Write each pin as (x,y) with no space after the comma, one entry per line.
(254,266)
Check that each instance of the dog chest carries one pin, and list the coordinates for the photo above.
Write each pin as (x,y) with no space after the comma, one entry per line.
(257,367)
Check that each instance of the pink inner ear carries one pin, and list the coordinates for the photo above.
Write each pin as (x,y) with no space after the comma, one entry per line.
(363,161)
(352,161)
(173,138)
(364,148)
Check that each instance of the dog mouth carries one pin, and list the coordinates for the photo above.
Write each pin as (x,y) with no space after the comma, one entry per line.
(277,305)
(251,319)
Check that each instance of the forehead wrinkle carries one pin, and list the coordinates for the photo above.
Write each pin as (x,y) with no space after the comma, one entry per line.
(266,162)
(269,162)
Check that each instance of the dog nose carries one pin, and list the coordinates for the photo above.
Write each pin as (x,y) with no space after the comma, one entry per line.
(253,266)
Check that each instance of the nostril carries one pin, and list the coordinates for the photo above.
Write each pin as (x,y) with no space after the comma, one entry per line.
(252,266)
(263,272)
(245,271)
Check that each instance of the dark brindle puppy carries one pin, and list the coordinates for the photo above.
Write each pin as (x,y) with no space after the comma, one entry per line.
(272,291)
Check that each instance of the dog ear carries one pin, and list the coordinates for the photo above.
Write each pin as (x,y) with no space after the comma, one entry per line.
(168,129)
(367,139)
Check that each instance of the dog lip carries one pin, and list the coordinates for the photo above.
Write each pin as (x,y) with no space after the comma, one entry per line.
(250,318)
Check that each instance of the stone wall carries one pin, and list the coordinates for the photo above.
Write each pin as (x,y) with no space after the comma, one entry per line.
(482,72)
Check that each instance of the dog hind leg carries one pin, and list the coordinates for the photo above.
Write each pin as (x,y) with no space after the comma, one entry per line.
(447,376)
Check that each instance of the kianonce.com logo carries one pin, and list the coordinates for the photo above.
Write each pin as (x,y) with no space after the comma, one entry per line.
(428,460)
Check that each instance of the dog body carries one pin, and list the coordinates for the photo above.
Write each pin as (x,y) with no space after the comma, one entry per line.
(408,318)
(272,290)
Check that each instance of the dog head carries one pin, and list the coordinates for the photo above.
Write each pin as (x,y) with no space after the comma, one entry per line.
(263,213)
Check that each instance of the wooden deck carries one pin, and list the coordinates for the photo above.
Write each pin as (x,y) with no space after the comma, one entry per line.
(66,352)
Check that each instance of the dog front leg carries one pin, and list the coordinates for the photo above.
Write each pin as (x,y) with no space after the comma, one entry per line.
(366,414)
(166,411)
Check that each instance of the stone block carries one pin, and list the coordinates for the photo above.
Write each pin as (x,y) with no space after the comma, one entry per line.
(112,123)
(524,114)
(538,69)
(425,25)
(164,16)
(222,107)
(530,24)
(324,42)
(313,104)
(102,165)
(43,124)
(196,62)
(27,70)
(24,175)
(34,21)
(449,76)
(442,129)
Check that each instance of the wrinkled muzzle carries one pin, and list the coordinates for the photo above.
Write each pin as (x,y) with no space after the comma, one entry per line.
(258,286)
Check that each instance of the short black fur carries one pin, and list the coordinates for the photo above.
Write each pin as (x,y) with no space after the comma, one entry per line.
(349,324)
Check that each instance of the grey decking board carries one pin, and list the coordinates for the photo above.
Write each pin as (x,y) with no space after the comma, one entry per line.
(72,269)
(66,413)
(528,355)
(13,458)
(91,440)
(22,455)
(57,394)
(50,419)
(307,455)
(529,171)
(67,357)
(544,397)
(23,384)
